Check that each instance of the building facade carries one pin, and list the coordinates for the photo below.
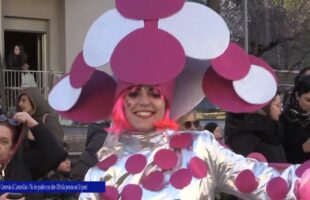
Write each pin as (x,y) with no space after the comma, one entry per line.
(51,31)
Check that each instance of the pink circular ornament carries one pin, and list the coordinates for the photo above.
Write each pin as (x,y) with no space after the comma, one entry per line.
(135,163)
(165,159)
(198,168)
(257,156)
(111,193)
(220,92)
(107,163)
(154,181)
(181,178)
(143,55)
(180,141)
(233,64)
(131,192)
(277,188)
(148,9)
(302,168)
(80,72)
(246,181)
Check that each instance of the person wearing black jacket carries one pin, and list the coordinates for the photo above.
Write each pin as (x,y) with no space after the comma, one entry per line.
(258,132)
(96,136)
(296,121)
(15,166)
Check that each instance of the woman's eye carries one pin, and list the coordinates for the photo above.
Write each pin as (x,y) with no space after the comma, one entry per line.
(133,94)
(155,95)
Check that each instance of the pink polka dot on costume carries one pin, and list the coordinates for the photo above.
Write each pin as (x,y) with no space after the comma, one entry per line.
(182,140)
(277,188)
(165,159)
(300,170)
(131,192)
(246,181)
(154,181)
(257,156)
(135,163)
(198,167)
(111,193)
(107,163)
(181,178)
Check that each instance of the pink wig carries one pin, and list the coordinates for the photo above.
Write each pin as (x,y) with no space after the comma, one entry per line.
(121,124)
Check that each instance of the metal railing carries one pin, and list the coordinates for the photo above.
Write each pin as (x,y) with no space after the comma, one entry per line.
(14,82)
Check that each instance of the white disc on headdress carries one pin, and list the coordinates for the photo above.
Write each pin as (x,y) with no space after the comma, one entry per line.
(188,91)
(202,32)
(257,87)
(63,96)
(104,34)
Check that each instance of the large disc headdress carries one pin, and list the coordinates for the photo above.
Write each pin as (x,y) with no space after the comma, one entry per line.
(158,42)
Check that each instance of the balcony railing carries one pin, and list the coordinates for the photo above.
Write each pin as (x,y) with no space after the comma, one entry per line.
(13,83)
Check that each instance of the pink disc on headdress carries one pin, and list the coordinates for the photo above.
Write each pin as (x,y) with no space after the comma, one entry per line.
(221,93)
(257,156)
(107,163)
(246,181)
(181,141)
(302,168)
(135,163)
(96,100)
(154,181)
(131,192)
(181,178)
(198,168)
(148,56)
(148,9)
(80,72)
(165,159)
(233,64)
(111,193)
(277,188)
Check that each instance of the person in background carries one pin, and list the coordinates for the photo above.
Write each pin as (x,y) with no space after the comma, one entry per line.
(259,132)
(189,121)
(287,95)
(14,165)
(16,60)
(62,173)
(296,121)
(215,129)
(31,100)
(96,135)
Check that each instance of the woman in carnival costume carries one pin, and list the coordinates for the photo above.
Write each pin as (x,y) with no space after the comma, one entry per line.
(160,71)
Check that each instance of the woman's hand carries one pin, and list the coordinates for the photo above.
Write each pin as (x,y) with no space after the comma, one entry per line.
(25,118)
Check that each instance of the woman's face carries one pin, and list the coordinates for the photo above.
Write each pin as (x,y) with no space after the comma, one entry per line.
(16,50)
(25,104)
(304,101)
(218,133)
(144,106)
(275,108)
(6,141)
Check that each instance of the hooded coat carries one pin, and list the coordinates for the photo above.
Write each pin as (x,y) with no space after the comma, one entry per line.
(43,113)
